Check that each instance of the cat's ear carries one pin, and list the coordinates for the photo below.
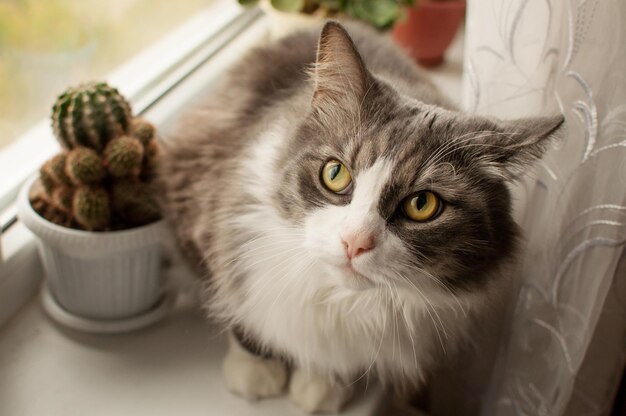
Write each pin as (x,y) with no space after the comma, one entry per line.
(340,75)
(515,144)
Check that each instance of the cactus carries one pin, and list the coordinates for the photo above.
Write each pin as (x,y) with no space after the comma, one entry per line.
(90,115)
(123,157)
(134,202)
(142,130)
(53,173)
(91,207)
(61,199)
(84,166)
(101,180)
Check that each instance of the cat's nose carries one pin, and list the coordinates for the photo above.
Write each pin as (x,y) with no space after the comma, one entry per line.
(356,244)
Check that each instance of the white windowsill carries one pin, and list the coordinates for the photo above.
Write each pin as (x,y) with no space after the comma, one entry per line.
(173,367)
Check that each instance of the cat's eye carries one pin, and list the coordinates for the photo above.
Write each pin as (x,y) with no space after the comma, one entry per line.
(335,177)
(421,206)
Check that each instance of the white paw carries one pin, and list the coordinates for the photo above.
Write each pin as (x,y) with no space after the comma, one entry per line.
(253,377)
(315,394)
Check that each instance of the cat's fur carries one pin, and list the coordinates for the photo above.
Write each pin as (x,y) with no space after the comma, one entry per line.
(243,193)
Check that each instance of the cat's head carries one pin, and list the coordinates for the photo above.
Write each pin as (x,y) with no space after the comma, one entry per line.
(392,190)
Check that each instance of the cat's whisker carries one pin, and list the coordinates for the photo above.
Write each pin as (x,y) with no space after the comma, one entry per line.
(274,247)
(274,239)
(427,305)
(456,149)
(396,311)
(301,270)
(395,323)
(270,236)
(264,259)
(440,284)
(287,240)
(380,343)
(265,279)
(438,155)
(408,329)
(455,144)
(273,233)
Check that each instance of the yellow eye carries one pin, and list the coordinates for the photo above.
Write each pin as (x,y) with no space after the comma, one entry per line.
(421,206)
(336,177)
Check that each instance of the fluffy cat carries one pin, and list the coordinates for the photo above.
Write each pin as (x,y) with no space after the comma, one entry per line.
(347,218)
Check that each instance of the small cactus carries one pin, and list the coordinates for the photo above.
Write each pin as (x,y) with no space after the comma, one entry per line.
(101,181)
(91,208)
(150,160)
(123,157)
(84,166)
(142,130)
(54,172)
(133,202)
(90,115)
(47,181)
(61,199)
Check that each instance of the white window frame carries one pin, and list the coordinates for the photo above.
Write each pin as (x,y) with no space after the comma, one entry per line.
(156,82)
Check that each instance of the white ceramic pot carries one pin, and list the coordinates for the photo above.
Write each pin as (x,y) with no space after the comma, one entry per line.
(99,275)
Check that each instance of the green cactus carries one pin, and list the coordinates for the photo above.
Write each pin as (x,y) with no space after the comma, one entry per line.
(150,160)
(61,198)
(134,202)
(47,181)
(53,172)
(90,115)
(142,130)
(123,156)
(102,179)
(91,208)
(84,166)
(151,150)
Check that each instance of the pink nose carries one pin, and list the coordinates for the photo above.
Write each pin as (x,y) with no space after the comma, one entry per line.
(357,244)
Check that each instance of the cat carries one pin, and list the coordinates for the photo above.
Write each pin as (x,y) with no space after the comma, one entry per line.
(347,218)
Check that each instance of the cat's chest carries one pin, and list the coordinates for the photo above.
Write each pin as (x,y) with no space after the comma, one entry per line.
(332,327)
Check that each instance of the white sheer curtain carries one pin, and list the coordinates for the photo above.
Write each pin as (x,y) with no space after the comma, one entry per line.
(565,344)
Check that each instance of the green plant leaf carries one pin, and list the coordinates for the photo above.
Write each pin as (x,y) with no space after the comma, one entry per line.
(288,5)
(380,13)
(248,3)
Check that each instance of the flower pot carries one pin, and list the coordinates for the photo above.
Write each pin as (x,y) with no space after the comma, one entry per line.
(98,275)
(429,29)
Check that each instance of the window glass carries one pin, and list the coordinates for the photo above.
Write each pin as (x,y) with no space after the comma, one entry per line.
(47,45)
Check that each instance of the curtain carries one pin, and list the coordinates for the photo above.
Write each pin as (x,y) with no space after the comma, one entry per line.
(564,347)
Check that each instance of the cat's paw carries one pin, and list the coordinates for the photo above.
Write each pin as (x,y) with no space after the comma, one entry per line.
(315,394)
(253,377)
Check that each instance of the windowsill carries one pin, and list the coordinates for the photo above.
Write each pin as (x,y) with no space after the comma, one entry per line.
(173,367)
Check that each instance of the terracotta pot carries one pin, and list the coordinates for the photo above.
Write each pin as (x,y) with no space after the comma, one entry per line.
(429,29)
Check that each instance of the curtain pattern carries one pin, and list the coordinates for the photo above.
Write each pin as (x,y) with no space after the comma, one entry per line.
(532,57)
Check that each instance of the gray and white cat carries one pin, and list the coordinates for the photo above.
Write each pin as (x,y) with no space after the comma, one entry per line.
(347,218)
